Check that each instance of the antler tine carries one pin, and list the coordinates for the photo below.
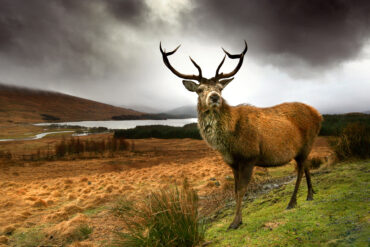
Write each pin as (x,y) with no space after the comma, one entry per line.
(167,63)
(232,73)
(197,66)
(172,52)
(219,66)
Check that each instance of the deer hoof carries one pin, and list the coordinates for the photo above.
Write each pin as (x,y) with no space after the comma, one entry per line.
(234,225)
(309,198)
(292,205)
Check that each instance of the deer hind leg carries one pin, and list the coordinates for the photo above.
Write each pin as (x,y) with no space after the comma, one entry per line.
(309,184)
(242,178)
(293,200)
(236,181)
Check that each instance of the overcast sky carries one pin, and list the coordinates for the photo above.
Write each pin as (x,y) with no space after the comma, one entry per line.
(317,52)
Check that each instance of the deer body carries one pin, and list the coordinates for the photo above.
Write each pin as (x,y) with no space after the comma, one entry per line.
(248,136)
(271,136)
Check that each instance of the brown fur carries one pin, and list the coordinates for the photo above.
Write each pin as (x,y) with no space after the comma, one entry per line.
(247,136)
(272,136)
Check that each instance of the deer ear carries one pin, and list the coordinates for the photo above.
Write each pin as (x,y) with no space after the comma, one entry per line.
(190,85)
(225,82)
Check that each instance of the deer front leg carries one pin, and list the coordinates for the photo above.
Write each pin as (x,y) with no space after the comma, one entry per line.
(242,175)
(293,199)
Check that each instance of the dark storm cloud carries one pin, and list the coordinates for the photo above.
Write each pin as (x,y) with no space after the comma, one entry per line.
(71,34)
(107,50)
(320,33)
(128,11)
(74,35)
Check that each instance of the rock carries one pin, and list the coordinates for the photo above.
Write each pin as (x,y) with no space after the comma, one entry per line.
(217,183)
(213,179)
(229,178)
(267,187)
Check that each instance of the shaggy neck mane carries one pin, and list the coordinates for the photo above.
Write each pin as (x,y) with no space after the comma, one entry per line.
(211,117)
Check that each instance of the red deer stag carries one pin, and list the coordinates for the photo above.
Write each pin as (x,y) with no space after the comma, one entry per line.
(248,136)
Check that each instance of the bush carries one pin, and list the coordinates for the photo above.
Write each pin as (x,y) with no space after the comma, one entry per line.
(160,131)
(333,125)
(354,141)
(165,218)
(316,162)
(75,146)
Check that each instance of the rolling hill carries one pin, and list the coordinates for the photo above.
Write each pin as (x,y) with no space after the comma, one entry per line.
(18,105)
(189,111)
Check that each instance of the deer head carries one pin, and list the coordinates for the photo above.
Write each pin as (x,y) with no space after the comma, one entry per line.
(208,90)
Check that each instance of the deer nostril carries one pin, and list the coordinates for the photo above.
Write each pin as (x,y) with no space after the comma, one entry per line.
(214,97)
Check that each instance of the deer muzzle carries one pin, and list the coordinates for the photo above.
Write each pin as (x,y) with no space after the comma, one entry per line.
(213,99)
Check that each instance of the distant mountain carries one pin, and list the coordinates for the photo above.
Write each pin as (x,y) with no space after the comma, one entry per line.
(19,104)
(366,112)
(143,108)
(189,111)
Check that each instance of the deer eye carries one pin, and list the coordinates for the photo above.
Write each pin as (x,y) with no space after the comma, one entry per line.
(199,90)
(219,87)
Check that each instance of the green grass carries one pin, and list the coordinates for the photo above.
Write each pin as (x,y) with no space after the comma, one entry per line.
(94,211)
(32,237)
(82,232)
(338,216)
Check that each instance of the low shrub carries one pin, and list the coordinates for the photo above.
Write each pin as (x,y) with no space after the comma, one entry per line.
(316,162)
(165,218)
(334,124)
(354,141)
(75,146)
(160,131)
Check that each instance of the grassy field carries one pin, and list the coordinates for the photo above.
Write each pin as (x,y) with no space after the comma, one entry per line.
(338,216)
(59,197)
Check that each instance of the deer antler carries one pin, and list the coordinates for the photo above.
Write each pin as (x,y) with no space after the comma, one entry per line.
(167,63)
(232,73)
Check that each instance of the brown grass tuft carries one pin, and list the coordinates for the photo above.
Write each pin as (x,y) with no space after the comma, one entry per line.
(354,141)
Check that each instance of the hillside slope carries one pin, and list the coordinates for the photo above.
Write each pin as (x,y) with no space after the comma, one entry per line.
(338,215)
(28,105)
